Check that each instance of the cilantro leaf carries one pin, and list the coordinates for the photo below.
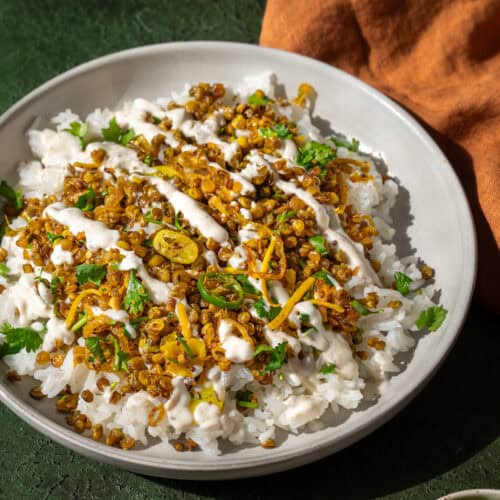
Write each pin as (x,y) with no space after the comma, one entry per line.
(78,130)
(85,201)
(283,216)
(121,358)
(257,100)
(432,318)
(277,130)
(330,368)
(149,218)
(243,280)
(341,143)
(94,346)
(323,275)
(314,154)
(361,308)
(14,197)
(90,273)
(245,399)
(115,134)
(263,312)
(278,357)
(402,283)
(4,269)
(16,339)
(319,244)
(262,348)
(185,345)
(53,284)
(136,295)
(304,318)
(53,237)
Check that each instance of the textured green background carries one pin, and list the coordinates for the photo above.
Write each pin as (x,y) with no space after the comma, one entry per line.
(446,440)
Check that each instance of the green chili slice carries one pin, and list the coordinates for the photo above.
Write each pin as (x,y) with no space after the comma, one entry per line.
(220,282)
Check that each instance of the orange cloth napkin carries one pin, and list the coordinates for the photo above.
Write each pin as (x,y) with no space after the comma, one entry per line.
(438,58)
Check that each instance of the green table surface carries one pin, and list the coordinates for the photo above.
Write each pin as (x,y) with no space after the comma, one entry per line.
(446,440)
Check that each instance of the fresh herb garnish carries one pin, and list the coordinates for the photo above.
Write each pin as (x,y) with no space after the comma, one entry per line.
(148,242)
(341,143)
(257,100)
(16,339)
(115,134)
(85,201)
(402,283)
(4,269)
(53,237)
(330,368)
(156,120)
(149,218)
(53,284)
(82,321)
(78,130)
(278,357)
(243,280)
(14,197)
(185,345)
(277,130)
(94,346)
(432,318)
(304,318)
(245,399)
(314,154)
(136,321)
(264,312)
(319,244)
(136,295)
(148,160)
(283,216)
(177,224)
(262,348)
(323,275)
(121,358)
(361,308)
(90,273)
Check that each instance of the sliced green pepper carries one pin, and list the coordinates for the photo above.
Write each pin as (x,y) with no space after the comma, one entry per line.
(229,282)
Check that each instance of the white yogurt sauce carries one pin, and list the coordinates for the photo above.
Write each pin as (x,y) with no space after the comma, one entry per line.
(206,132)
(177,407)
(237,349)
(59,256)
(20,303)
(97,234)
(191,210)
(246,186)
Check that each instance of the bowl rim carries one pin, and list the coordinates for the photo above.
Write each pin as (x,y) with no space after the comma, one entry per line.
(281,458)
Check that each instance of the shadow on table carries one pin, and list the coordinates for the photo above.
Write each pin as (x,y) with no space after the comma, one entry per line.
(455,417)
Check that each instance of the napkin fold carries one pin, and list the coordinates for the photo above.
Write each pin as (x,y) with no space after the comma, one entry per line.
(440,59)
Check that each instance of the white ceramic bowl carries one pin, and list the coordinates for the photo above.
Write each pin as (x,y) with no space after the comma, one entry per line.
(440,226)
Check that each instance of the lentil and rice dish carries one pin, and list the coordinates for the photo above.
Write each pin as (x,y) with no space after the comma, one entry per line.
(204,268)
